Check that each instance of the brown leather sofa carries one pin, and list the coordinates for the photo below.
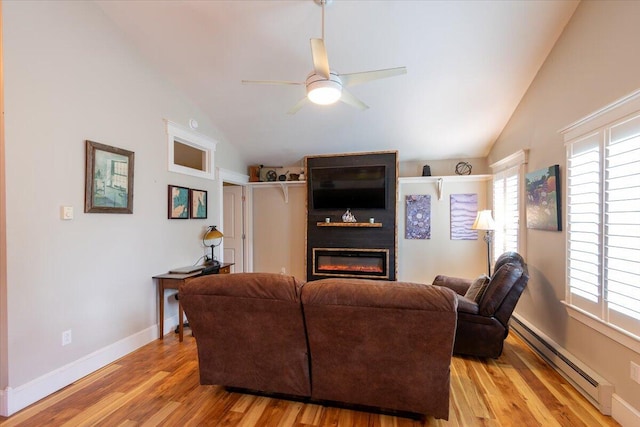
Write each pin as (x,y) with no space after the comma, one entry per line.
(249,330)
(380,344)
(485,306)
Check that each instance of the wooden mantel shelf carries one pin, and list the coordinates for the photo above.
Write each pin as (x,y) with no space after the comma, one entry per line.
(349,224)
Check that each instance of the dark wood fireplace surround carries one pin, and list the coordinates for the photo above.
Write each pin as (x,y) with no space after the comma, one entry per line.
(362,249)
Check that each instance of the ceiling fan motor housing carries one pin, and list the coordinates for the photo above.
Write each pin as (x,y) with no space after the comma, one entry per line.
(323,91)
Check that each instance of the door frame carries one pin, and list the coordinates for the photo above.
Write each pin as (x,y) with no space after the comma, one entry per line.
(231,177)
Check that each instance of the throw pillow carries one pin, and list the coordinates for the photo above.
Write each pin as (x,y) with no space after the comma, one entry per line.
(477,288)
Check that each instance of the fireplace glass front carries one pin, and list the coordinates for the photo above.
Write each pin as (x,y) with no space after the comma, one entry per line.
(348,262)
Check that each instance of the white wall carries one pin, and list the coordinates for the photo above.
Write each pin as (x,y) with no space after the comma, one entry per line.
(443,167)
(421,260)
(70,76)
(594,63)
(3,229)
(279,232)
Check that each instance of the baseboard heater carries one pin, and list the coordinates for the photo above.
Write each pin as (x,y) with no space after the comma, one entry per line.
(591,385)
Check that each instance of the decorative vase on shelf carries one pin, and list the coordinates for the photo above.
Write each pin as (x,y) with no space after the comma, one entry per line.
(348,216)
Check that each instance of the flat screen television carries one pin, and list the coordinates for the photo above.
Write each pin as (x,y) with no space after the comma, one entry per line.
(353,187)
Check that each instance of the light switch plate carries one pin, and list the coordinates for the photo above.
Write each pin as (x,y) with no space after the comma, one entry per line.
(66,212)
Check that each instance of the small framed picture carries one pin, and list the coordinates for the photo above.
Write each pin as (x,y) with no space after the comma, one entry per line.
(198,200)
(108,179)
(178,202)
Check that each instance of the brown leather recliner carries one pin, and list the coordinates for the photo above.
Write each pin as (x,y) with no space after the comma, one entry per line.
(483,314)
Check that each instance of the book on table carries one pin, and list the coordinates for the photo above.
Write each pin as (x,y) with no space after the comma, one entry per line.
(188,269)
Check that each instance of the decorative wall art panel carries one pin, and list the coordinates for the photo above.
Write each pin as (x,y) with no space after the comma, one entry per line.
(464,208)
(178,202)
(543,199)
(418,216)
(198,199)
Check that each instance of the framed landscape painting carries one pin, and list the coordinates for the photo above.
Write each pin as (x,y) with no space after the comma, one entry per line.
(543,199)
(108,179)
(198,200)
(178,202)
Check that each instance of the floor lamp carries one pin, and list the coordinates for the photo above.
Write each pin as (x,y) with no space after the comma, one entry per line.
(484,221)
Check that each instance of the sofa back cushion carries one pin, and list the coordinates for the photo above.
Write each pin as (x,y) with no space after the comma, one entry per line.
(249,330)
(381,343)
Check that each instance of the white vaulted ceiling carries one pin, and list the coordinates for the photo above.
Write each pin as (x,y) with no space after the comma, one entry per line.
(468,65)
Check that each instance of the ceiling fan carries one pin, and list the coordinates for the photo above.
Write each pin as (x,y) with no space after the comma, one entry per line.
(325,86)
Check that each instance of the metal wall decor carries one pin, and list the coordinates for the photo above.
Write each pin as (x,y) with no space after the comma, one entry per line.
(463,168)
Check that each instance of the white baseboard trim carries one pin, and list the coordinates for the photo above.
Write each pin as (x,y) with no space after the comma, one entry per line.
(589,383)
(601,396)
(13,400)
(623,413)
(170,324)
(3,402)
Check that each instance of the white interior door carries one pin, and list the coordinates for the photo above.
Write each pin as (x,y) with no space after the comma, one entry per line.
(233,226)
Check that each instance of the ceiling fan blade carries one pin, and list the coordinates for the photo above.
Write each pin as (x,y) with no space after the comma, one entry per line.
(320,59)
(349,99)
(304,101)
(353,79)
(270,82)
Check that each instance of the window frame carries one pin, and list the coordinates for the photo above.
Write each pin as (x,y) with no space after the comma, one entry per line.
(182,135)
(513,165)
(597,127)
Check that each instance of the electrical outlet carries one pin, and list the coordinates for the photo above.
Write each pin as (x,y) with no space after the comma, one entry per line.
(66,337)
(283,270)
(635,372)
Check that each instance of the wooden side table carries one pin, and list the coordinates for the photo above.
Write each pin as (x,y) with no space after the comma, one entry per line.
(173,281)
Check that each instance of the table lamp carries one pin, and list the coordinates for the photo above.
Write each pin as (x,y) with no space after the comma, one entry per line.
(212,238)
(484,221)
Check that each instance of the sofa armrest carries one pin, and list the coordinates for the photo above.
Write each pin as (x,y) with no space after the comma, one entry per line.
(457,284)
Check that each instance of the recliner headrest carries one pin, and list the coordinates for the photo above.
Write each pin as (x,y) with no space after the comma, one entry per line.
(510,258)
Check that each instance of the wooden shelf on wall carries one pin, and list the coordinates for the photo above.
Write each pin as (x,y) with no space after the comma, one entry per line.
(446,178)
(440,180)
(284,186)
(350,224)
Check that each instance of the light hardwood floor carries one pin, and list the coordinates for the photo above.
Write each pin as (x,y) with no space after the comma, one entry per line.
(158,385)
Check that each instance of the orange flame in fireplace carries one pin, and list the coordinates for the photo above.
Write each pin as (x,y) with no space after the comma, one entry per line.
(360,268)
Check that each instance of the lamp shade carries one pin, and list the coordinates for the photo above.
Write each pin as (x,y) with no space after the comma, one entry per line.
(483,221)
(212,234)
(212,238)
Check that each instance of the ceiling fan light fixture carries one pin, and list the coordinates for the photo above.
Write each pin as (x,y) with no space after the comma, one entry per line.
(324,94)
(324,91)
(324,87)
